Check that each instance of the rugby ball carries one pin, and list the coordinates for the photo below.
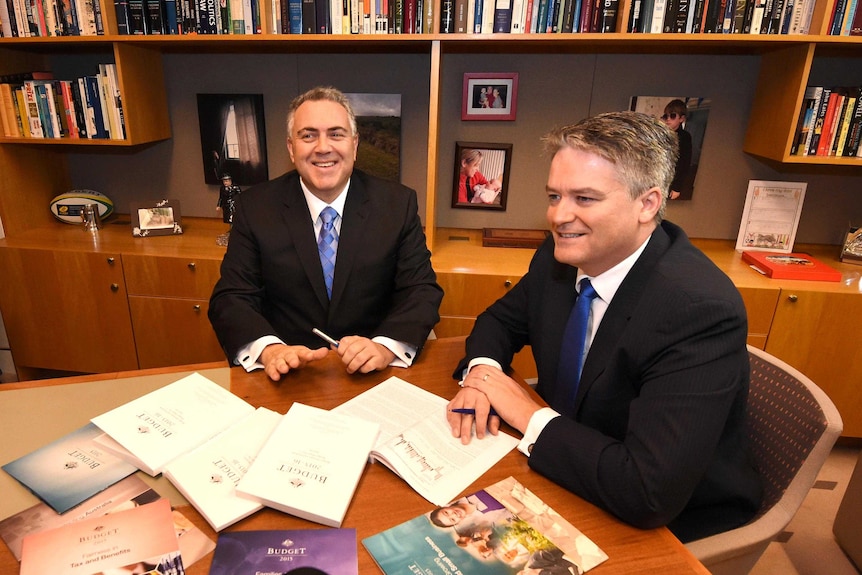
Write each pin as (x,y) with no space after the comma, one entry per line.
(67,207)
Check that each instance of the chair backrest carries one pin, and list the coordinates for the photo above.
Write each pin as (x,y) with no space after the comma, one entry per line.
(792,427)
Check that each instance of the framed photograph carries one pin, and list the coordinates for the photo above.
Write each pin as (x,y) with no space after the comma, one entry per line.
(378,119)
(687,116)
(158,218)
(233,138)
(492,96)
(481,179)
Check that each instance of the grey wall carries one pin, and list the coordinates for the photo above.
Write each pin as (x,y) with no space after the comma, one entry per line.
(553,89)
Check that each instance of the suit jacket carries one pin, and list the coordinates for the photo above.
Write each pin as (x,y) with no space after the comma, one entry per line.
(658,434)
(272,281)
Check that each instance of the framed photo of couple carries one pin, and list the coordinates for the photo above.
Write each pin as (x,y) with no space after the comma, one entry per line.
(491,96)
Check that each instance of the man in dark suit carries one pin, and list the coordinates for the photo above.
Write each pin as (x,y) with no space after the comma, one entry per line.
(380,301)
(653,429)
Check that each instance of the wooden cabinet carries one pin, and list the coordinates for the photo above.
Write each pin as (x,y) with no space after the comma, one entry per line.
(168,301)
(66,310)
(814,331)
(760,307)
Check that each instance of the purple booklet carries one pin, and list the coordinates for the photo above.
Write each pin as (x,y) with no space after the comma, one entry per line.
(284,551)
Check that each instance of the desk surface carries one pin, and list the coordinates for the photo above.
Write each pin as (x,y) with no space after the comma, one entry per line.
(70,402)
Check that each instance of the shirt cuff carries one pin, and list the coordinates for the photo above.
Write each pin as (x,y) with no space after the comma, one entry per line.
(479,361)
(536,425)
(404,353)
(249,354)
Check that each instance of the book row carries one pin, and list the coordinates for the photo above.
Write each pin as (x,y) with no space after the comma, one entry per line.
(528,16)
(721,16)
(846,19)
(88,107)
(30,18)
(286,16)
(830,122)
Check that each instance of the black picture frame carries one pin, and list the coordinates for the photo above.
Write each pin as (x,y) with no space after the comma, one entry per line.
(492,191)
(233,138)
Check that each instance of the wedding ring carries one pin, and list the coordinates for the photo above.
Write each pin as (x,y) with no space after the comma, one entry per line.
(486,377)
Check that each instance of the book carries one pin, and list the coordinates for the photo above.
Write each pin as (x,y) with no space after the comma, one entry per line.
(502,529)
(803,126)
(69,470)
(161,425)
(311,463)
(208,476)
(790,266)
(124,494)
(416,442)
(286,551)
(142,536)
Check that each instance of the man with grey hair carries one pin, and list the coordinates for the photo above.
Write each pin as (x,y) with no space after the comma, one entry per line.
(329,247)
(647,381)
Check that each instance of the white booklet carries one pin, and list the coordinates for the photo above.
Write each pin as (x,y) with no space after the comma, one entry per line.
(416,442)
(158,427)
(208,476)
(311,464)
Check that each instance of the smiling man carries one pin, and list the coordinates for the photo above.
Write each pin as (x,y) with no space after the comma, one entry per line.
(651,424)
(328,247)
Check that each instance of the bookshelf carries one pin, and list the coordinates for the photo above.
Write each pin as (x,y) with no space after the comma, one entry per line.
(34,171)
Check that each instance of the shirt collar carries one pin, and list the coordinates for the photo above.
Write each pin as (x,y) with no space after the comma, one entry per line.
(607,283)
(316,205)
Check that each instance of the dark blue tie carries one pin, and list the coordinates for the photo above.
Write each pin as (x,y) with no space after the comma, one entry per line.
(327,246)
(572,350)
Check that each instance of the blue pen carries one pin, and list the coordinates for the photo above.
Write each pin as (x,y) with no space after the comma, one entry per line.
(325,337)
(467,411)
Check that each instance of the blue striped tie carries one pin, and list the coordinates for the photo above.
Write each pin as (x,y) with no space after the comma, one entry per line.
(327,246)
(572,351)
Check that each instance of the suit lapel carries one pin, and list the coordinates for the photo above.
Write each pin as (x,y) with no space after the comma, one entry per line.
(620,311)
(298,223)
(354,224)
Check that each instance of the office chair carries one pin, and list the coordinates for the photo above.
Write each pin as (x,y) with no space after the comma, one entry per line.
(792,426)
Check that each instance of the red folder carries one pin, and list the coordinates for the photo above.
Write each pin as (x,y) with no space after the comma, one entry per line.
(792,266)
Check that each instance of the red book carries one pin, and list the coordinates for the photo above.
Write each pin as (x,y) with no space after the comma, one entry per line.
(794,266)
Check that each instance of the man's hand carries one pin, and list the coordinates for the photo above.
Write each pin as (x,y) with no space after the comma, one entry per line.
(363,355)
(485,387)
(278,359)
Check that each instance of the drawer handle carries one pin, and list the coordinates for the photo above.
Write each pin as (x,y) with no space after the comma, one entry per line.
(507,284)
(110,261)
(197,308)
(192,266)
(792,298)
(115,287)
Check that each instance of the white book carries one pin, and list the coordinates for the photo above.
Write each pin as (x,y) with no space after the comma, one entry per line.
(158,427)
(311,464)
(417,444)
(488,16)
(208,476)
(658,9)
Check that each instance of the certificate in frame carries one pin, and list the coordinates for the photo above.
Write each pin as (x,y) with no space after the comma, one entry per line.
(771,216)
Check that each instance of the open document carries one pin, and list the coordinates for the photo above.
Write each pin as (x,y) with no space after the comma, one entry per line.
(415,441)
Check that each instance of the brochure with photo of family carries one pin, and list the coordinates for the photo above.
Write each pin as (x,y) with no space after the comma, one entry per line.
(502,529)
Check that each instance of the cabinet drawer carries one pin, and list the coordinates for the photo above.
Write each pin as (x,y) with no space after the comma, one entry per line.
(171,331)
(469,294)
(170,276)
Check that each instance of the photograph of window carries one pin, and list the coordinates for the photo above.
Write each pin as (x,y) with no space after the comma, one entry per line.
(233,138)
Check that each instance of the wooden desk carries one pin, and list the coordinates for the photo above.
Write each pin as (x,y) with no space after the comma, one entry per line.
(66,404)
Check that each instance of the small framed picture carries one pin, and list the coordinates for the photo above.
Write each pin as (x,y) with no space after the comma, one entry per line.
(491,96)
(158,218)
(481,179)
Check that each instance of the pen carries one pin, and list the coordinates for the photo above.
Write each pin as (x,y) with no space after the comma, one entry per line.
(467,411)
(325,337)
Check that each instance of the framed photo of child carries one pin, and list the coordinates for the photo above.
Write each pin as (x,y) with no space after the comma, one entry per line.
(687,116)
(481,176)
